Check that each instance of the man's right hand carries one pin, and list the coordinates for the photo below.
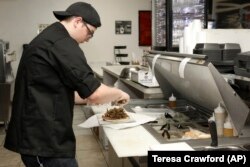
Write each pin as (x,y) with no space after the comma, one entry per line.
(123,99)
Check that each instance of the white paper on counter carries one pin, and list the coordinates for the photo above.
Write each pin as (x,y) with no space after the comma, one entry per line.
(138,120)
(102,108)
(180,146)
(90,122)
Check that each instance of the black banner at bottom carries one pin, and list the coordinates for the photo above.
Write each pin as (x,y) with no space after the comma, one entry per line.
(198,158)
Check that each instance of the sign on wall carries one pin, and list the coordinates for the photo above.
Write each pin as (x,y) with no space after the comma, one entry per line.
(123,27)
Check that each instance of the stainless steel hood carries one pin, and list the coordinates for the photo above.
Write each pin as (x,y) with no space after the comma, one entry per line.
(193,78)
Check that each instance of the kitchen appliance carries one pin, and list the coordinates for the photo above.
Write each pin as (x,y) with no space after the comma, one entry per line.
(211,50)
(170,17)
(6,73)
(4,46)
(176,123)
(221,55)
(242,64)
(230,51)
(242,76)
(192,78)
(144,77)
(6,80)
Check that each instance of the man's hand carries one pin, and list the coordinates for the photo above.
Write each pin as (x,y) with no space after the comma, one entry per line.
(123,99)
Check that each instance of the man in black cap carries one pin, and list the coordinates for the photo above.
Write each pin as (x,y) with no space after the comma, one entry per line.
(51,69)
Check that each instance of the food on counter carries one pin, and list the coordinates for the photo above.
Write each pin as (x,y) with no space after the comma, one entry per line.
(195,134)
(115,114)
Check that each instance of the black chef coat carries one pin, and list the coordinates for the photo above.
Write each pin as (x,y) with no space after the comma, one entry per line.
(52,67)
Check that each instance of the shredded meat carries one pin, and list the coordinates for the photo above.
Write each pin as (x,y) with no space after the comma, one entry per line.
(115,113)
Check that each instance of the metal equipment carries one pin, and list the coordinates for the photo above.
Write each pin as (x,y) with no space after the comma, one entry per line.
(196,80)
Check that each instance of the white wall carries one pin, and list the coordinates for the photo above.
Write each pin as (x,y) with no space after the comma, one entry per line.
(20,18)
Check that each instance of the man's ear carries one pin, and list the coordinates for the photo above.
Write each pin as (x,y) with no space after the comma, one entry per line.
(76,21)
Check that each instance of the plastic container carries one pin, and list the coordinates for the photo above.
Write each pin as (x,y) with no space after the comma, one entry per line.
(230,51)
(242,64)
(220,116)
(172,101)
(228,130)
(211,50)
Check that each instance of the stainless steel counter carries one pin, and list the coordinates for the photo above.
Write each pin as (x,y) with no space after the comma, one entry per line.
(197,144)
(120,141)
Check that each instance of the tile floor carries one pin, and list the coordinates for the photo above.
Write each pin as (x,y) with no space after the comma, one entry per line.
(89,152)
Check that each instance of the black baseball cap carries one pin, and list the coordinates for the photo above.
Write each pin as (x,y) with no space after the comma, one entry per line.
(82,9)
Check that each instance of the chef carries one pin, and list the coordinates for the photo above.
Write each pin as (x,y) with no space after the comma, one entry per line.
(51,69)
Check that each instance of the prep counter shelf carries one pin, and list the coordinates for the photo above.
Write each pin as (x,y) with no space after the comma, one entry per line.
(135,90)
(120,142)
